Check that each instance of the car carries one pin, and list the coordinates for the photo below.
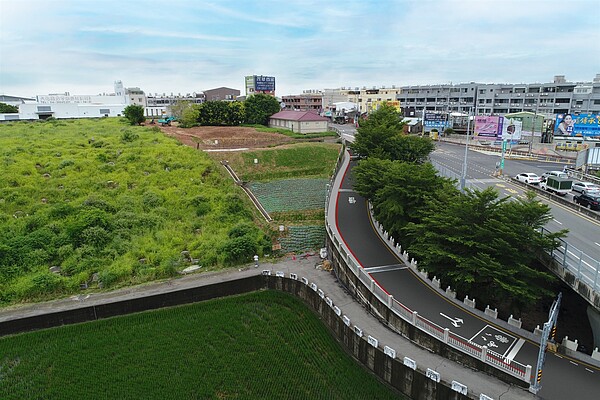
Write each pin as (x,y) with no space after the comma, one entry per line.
(592,201)
(585,187)
(528,177)
(558,174)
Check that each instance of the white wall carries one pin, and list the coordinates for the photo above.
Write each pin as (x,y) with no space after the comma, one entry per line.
(67,110)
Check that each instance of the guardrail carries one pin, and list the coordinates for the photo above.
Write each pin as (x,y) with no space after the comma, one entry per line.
(585,268)
(510,367)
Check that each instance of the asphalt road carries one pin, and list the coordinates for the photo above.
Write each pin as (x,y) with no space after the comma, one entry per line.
(361,237)
(584,232)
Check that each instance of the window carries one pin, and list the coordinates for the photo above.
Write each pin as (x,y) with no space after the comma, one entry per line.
(104,111)
(44,109)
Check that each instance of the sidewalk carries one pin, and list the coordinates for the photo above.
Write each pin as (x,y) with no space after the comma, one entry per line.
(304,266)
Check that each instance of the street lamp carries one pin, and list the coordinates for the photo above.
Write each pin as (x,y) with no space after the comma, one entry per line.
(464,170)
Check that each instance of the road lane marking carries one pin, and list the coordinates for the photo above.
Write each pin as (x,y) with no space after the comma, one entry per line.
(557,221)
(574,363)
(597,244)
(589,370)
(515,350)
(385,268)
(456,322)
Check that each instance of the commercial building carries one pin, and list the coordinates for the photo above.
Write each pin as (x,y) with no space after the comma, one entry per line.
(65,105)
(221,94)
(548,99)
(309,100)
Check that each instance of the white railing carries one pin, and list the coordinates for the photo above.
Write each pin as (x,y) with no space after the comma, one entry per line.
(511,367)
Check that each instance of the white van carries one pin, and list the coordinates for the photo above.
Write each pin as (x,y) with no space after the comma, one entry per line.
(558,174)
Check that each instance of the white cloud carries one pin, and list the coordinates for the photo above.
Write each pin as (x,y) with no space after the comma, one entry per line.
(184,46)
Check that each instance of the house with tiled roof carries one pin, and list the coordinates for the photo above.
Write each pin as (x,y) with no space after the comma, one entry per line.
(303,122)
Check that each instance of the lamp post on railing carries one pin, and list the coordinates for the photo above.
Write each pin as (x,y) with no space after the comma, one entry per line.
(464,169)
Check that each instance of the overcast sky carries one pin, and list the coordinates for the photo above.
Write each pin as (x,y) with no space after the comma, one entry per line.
(83,46)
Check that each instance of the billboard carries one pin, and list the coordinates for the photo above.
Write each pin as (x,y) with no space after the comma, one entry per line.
(587,125)
(512,129)
(488,128)
(264,83)
(434,120)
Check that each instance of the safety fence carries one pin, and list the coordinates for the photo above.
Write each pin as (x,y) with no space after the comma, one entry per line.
(585,268)
(510,367)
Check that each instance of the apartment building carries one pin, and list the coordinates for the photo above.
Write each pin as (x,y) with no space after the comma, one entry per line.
(548,99)
(370,99)
(309,100)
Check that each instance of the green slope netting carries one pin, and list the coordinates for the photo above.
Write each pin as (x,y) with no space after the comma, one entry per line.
(290,194)
(303,238)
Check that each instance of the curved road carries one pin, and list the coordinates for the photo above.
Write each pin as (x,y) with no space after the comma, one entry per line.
(562,378)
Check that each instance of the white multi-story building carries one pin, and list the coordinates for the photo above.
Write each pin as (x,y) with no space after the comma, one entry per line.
(65,105)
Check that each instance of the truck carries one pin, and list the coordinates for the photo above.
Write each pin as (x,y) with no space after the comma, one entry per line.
(554,184)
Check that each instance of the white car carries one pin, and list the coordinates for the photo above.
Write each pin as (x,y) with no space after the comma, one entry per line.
(558,174)
(585,187)
(528,177)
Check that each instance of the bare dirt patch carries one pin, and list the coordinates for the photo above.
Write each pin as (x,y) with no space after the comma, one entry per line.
(225,137)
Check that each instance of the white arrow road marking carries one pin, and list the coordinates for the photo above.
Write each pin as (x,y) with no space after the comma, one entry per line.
(456,322)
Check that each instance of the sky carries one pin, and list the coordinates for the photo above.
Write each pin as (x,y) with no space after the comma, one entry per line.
(176,46)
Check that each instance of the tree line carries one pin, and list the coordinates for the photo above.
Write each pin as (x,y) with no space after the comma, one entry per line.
(256,109)
(476,242)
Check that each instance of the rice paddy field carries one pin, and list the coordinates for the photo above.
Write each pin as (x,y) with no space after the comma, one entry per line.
(262,345)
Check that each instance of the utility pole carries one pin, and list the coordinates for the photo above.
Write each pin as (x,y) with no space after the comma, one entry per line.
(463,178)
(533,126)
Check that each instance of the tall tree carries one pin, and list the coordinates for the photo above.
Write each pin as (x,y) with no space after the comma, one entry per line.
(185,112)
(483,246)
(381,136)
(398,190)
(134,113)
(213,113)
(259,108)
(8,109)
(235,113)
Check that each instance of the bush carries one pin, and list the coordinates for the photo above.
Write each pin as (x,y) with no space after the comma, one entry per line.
(240,249)
(134,114)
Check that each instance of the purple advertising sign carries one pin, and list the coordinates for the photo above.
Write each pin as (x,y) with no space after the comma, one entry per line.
(488,127)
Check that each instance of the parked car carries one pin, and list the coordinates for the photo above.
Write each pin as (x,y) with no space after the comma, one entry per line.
(528,177)
(592,201)
(585,187)
(558,174)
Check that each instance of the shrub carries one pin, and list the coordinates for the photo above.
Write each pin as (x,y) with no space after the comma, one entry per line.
(240,249)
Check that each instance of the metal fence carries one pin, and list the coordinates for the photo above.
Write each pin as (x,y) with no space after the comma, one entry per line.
(584,267)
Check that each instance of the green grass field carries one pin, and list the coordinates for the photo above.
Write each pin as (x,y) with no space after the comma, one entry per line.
(100,198)
(314,160)
(263,345)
